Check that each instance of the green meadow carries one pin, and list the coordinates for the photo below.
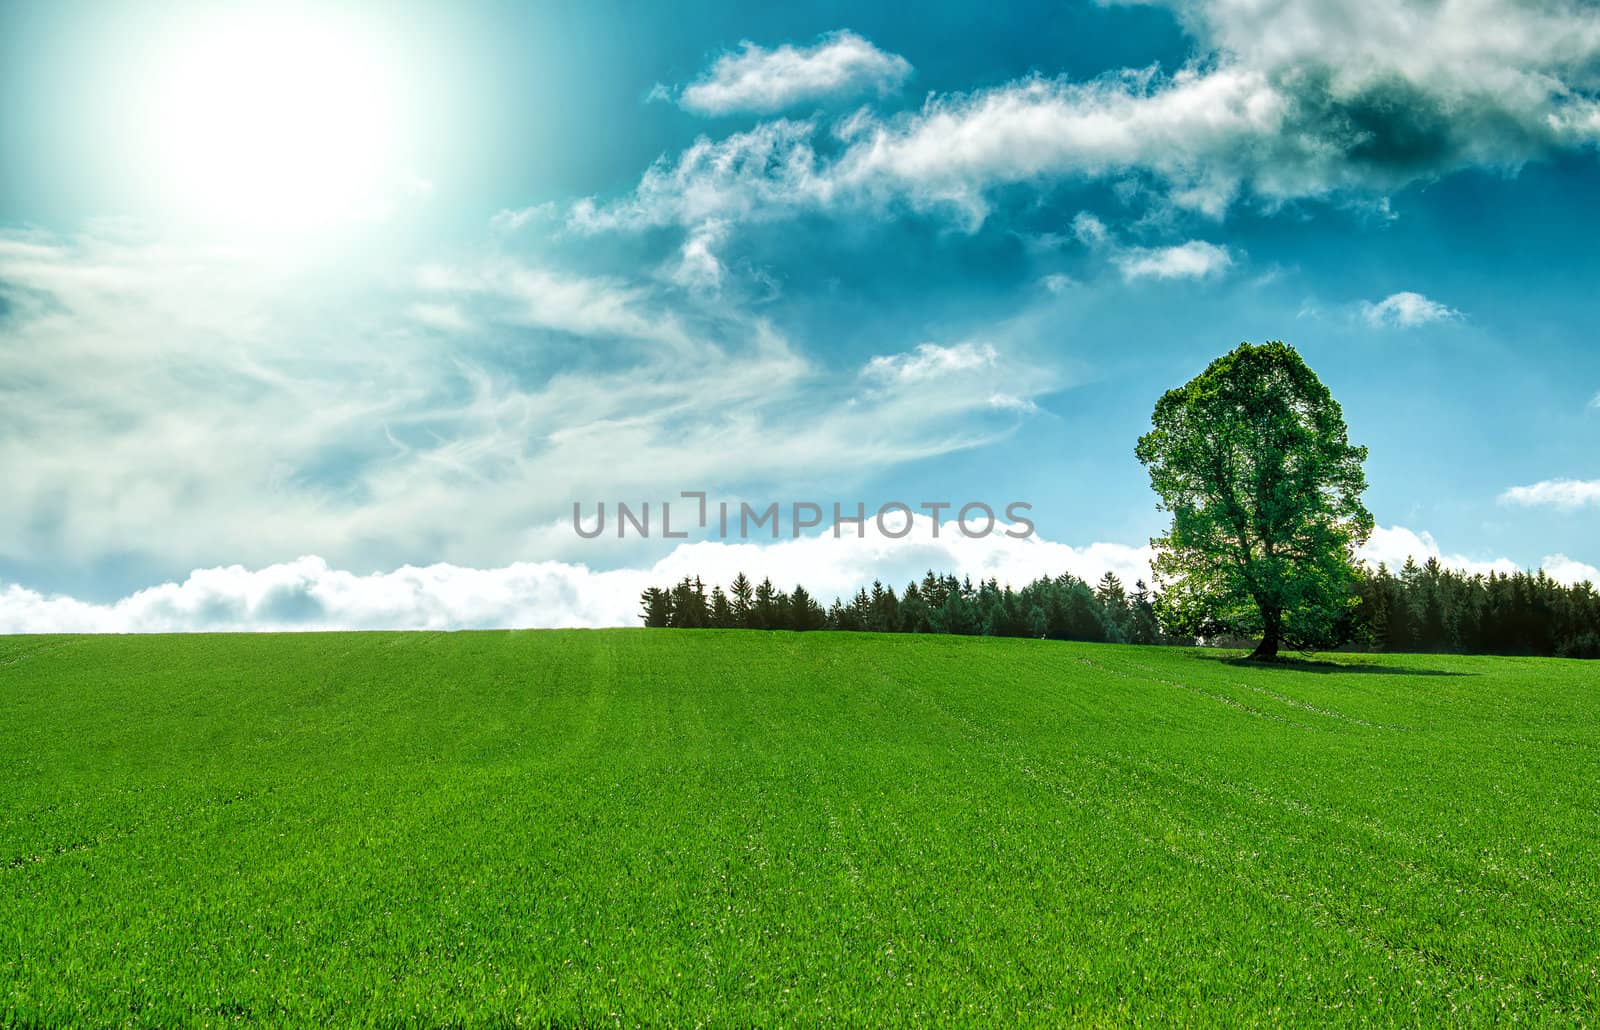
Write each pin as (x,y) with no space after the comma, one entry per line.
(708,828)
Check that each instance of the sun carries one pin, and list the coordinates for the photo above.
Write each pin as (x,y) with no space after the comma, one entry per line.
(273,122)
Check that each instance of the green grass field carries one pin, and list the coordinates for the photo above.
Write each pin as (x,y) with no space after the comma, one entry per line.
(723,828)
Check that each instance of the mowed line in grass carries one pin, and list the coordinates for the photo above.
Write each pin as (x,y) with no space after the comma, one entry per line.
(725,827)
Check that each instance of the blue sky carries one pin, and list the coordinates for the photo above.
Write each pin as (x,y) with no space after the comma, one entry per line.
(313,298)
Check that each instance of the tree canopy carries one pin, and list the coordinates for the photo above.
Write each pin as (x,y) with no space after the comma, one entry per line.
(1253,459)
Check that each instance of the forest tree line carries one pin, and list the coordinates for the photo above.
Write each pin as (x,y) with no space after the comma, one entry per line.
(1424,607)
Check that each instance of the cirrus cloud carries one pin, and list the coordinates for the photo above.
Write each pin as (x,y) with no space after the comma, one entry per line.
(203,408)
(1193,259)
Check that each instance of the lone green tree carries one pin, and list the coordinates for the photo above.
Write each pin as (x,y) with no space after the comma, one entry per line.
(1253,460)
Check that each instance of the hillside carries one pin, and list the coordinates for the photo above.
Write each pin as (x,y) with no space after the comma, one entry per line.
(690,827)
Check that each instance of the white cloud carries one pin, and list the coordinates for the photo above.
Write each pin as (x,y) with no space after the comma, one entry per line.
(957,148)
(1563,494)
(699,268)
(203,408)
(446,318)
(1406,310)
(1090,230)
(768,171)
(929,361)
(1280,101)
(1470,45)
(977,378)
(1195,259)
(307,594)
(509,221)
(1392,545)
(1565,570)
(538,297)
(1011,402)
(762,81)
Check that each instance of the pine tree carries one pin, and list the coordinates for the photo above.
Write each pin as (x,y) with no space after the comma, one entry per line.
(804,613)
(689,609)
(914,610)
(764,612)
(740,601)
(1142,626)
(657,605)
(1113,607)
(885,609)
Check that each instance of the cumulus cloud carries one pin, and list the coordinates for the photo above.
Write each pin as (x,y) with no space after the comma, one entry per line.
(1195,259)
(1279,102)
(768,171)
(930,360)
(308,594)
(761,81)
(1563,494)
(1392,545)
(1406,310)
(1566,570)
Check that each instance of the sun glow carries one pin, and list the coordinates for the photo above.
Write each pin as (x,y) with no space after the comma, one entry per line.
(273,122)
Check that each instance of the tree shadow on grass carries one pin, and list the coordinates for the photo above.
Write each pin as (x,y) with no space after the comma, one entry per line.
(1322,666)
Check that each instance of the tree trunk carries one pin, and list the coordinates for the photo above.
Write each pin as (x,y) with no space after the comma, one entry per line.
(1271,636)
